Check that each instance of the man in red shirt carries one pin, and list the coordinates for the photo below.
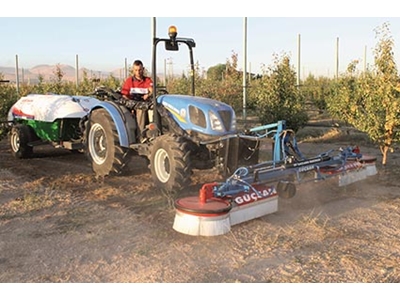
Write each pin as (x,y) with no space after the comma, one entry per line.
(138,87)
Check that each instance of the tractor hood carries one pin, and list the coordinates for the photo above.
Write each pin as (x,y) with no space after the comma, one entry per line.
(204,115)
(48,108)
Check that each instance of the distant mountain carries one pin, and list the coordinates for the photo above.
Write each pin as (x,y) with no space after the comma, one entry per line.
(48,72)
(31,75)
(7,70)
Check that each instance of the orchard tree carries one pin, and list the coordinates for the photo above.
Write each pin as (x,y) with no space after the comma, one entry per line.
(316,89)
(229,90)
(278,98)
(40,87)
(371,102)
(112,82)
(57,80)
(217,73)
(86,84)
(223,84)
(8,96)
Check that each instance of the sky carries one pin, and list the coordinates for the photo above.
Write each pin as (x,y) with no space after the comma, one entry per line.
(104,36)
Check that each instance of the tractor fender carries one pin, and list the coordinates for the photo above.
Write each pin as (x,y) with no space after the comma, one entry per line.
(124,122)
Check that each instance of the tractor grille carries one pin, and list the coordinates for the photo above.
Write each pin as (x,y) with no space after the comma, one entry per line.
(226,117)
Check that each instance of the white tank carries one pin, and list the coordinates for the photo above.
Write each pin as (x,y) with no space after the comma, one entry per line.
(48,108)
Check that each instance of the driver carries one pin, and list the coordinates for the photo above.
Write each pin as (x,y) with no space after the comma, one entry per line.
(138,87)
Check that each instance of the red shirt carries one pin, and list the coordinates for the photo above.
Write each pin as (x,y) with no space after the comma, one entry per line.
(132,85)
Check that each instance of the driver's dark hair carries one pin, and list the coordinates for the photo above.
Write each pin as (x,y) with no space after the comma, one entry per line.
(137,63)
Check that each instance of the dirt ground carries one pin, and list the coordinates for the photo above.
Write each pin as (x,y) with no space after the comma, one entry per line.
(58,223)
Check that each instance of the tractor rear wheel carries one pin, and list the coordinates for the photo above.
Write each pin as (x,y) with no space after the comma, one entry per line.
(170,163)
(21,136)
(102,144)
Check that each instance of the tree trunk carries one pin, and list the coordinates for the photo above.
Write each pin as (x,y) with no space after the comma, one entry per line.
(384,150)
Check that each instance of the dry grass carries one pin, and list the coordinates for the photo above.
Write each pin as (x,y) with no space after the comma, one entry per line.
(332,135)
(34,198)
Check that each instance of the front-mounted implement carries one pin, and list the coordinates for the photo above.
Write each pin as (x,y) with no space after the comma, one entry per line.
(253,191)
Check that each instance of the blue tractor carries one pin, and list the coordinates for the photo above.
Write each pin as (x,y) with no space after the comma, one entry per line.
(187,132)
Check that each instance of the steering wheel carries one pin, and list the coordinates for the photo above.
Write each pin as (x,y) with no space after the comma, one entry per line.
(162,91)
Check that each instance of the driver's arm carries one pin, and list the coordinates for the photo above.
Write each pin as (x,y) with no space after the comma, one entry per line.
(147,96)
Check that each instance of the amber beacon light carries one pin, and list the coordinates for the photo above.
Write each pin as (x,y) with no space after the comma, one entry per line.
(172,32)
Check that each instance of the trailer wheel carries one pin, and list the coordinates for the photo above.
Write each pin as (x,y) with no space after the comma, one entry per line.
(170,163)
(21,136)
(286,189)
(103,148)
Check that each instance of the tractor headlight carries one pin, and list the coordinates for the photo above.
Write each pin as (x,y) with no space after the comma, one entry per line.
(215,122)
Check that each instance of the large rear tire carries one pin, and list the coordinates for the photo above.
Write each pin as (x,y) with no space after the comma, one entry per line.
(170,163)
(21,136)
(102,144)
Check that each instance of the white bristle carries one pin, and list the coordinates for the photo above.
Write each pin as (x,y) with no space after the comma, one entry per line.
(200,225)
(353,176)
(254,210)
(371,169)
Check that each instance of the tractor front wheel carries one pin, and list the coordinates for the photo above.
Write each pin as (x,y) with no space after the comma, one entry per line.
(170,163)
